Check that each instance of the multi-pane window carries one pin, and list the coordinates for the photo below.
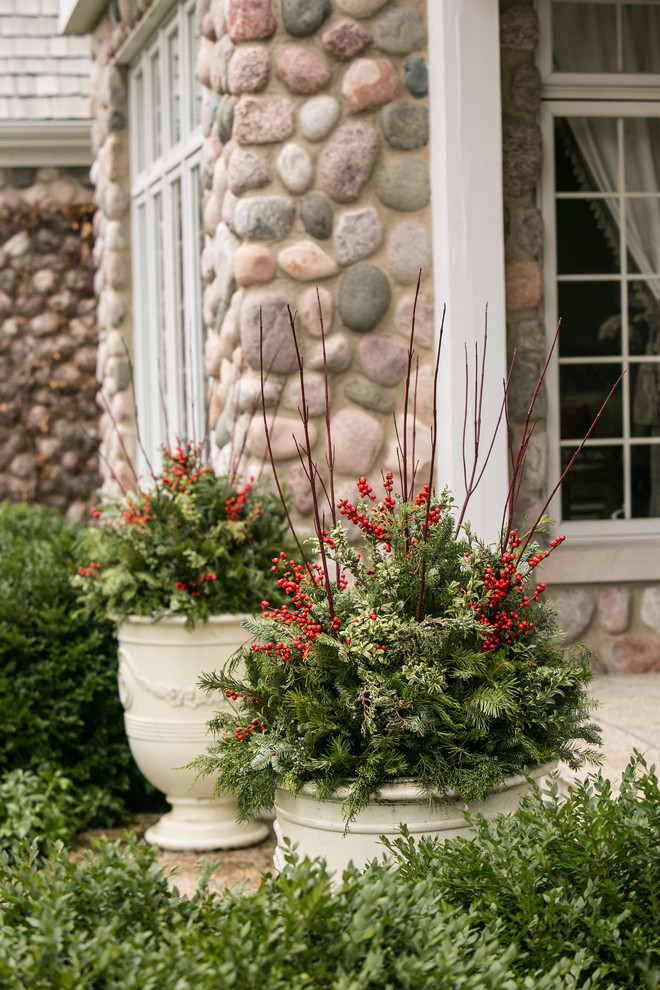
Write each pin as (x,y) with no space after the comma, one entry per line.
(601,198)
(166,142)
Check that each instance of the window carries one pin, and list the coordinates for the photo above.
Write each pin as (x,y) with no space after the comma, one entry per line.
(601,199)
(166,142)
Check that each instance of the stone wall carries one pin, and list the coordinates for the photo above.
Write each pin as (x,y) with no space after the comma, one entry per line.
(315,173)
(48,339)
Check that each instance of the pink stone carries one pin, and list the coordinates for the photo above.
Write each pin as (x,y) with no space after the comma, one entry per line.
(214,405)
(254,263)
(117,270)
(314,393)
(43,324)
(303,70)
(305,261)
(249,67)
(369,82)
(524,285)
(309,310)
(212,214)
(249,20)
(263,120)
(634,655)
(383,359)
(300,489)
(116,201)
(614,609)
(357,438)
(345,39)
(204,63)
(286,432)
(208,27)
(424,319)
(215,351)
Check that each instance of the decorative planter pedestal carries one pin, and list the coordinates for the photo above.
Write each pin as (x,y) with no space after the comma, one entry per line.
(165,716)
(318,825)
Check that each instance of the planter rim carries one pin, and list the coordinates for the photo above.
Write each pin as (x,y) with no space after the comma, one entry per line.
(221,618)
(406,788)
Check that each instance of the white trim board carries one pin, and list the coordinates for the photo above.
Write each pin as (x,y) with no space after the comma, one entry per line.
(45,142)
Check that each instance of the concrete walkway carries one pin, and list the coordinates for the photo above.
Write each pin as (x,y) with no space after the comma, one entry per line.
(629,715)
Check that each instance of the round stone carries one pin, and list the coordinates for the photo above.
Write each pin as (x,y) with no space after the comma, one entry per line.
(264,217)
(253,264)
(400,30)
(405,124)
(247,170)
(314,393)
(248,69)
(383,359)
(263,120)
(338,354)
(302,70)
(347,160)
(271,310)
(357,234)
(519,28)
(305,261)
(408,251)
(368,83)
(317,215)
(295,168)
(526,88)
(575,609)
(345,39)
(523,285)
(523,384)
(527,229)
(357,438)
(310,315)
(318,116)
(360,8)
(303,17)
(635,655)
(249,20)
(522,155)
(403,183)
(286,434)
(416,76)
(224,117)
(364,297)
(424,319)
(370,396)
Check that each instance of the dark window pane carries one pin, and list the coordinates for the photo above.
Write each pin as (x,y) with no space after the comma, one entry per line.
(590,314)
(587,238)
(572,23)
(644,393)
(644,317)
(645,480)
(640,28)
(584,388)
(593,488)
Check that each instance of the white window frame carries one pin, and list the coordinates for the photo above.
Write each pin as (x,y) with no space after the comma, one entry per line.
(617,549)
(165,198)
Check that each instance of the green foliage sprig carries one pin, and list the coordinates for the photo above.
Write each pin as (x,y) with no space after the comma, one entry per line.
(193,544)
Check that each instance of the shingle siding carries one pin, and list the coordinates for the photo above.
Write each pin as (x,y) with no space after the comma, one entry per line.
(43,75)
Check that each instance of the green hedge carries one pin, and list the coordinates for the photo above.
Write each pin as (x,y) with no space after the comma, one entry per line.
(58,670)
(563,895)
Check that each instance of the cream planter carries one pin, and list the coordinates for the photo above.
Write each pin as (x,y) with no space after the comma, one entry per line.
(165,716)
(318,825)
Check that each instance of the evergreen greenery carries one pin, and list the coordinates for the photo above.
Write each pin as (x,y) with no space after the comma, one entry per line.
(433,657)
(58,680)
(193,544)
(562,895)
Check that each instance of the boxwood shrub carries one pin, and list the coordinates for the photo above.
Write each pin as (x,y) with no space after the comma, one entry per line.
(562,895)
(58,669)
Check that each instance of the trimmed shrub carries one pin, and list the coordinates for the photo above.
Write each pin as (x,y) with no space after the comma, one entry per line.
(562,895)
(58,669)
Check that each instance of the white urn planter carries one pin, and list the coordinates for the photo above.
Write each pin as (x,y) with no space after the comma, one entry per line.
(317,825)
(165,716)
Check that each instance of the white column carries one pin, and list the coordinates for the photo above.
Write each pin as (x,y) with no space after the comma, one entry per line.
(468,237)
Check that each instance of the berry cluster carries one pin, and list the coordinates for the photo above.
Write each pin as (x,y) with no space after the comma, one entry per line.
(502,620)
(192,587)
(91,571)
(243,731)
(181,468)
(234,505)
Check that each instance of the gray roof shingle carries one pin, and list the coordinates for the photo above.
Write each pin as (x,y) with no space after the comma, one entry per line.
(43,75)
